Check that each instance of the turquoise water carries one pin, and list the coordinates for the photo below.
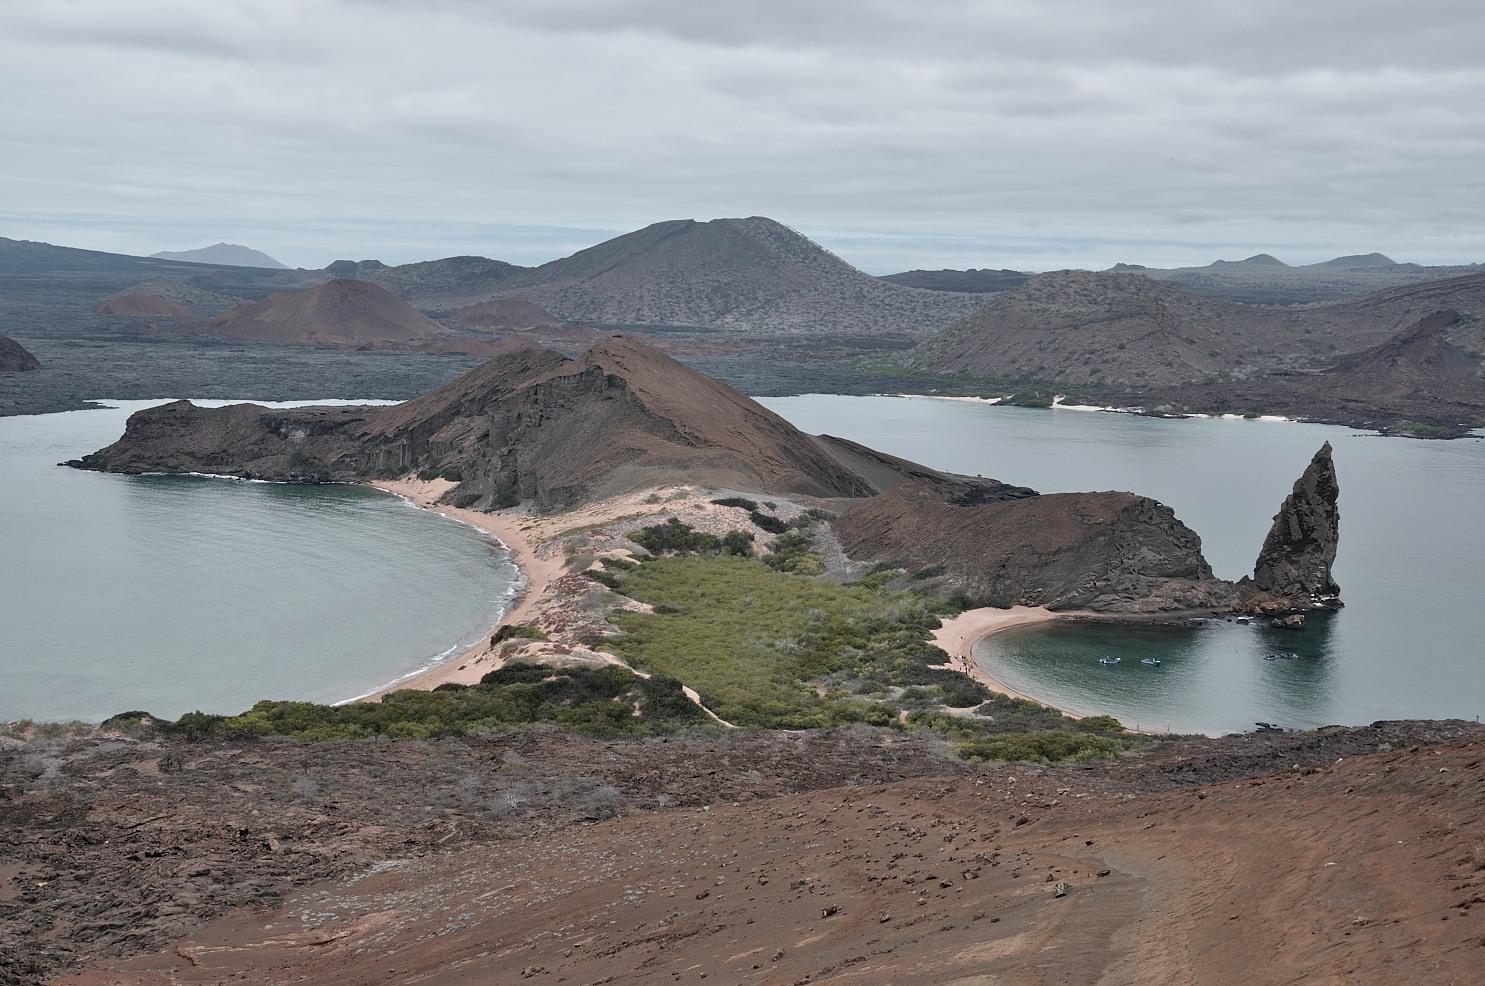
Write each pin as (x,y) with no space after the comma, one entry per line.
(1411,564)
(172,593)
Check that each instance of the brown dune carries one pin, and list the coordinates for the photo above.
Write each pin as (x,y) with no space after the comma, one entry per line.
(142,306)
(503,315)
(345,314)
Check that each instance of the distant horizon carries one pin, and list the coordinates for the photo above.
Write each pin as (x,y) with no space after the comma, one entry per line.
(531,246)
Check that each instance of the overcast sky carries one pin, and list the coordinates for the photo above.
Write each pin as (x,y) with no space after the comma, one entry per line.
(930,133)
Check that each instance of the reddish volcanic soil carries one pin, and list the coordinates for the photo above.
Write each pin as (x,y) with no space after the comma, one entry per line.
(1193,865)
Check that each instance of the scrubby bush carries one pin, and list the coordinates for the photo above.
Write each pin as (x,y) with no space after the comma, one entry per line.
(768,522)
(602,701)
(737,501)
(1041,747)
(737,543)
(676,537)
(791,553)
(517,631)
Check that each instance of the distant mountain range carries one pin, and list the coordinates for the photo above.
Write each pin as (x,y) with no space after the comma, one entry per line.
(968,281)
(1081,329)
(749,276)
(228,254)
(1260,279)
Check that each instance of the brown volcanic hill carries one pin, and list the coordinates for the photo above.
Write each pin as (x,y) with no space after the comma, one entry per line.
(1374,318)
(1081,328)
(141,306)
(1116,331)
(969,281)
(503,315)
(15,358)
(347,314)
(1415,382)
(752,276)
(1418,363)
(530,426)
(442,285)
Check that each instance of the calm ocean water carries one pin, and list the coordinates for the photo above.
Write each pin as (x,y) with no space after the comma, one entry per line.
(1411,564)
(177,593)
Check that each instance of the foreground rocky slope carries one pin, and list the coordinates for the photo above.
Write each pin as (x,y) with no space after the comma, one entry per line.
(857,856)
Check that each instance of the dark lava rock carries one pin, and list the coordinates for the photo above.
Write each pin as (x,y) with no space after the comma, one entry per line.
(1110,552)
(14,358)
(1300,548)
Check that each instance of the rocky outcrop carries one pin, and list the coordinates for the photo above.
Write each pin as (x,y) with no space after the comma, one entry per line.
(14,358)
(1110,552)
(1295,563)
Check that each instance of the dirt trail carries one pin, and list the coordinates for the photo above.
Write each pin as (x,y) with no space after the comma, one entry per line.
(1370,869)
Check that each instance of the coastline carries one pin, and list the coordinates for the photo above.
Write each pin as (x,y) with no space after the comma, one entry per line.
(958,636)
(536,575)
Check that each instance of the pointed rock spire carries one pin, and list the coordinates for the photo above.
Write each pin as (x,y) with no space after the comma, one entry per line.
(1300,548)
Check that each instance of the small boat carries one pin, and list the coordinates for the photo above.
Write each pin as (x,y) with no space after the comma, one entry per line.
(1150,662)
(1281,656)
(1108,660)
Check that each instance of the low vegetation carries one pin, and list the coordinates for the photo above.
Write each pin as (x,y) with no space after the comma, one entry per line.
(602,701)
(677,538)
(769,648)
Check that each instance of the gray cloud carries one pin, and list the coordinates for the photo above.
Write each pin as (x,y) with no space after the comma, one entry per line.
(950,133)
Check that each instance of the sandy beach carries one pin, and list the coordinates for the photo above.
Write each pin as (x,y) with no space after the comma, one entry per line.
(511,529)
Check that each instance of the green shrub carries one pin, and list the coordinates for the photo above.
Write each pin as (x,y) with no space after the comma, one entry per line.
(1040,747)
(596,701)
(768,522)
(737,543)
(510,631)
(602,578)
(791,553)
(675,537)
(1099,724)
(737,501)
